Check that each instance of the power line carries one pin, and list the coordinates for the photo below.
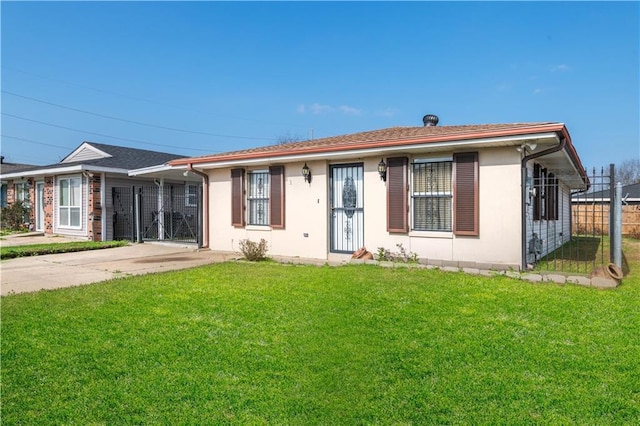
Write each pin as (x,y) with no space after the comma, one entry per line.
(130,121)
(35,142)
(103,135)
(143,99)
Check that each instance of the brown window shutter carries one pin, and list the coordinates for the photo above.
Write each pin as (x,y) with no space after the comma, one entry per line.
(552,197)
(237,197)
(276,197)
(397,195)
(465,194)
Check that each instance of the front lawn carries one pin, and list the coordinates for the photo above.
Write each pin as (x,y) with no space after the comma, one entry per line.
(264,343)
(51,248)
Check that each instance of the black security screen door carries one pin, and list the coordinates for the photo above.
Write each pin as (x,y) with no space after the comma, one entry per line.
(123,220)
(346,212)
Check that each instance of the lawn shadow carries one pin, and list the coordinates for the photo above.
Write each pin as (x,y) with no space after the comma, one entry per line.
(581,254)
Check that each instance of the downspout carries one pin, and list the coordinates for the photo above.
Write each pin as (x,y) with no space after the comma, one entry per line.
(523,178)
(205,204)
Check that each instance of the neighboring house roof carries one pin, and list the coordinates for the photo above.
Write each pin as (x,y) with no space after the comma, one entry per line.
(396,140)
(99,157)
(12,167)
(631,192)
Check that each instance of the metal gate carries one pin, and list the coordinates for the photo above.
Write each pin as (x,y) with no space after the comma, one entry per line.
(346,208)
(123,215)
(573,233)
(170,213)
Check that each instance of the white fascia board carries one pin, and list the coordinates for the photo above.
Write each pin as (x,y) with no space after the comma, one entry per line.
(153,169)
(472,143)
(63,170)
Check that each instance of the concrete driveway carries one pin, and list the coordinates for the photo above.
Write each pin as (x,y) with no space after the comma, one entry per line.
(53,271)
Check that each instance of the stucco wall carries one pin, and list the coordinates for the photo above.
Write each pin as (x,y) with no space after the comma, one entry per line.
(306,232)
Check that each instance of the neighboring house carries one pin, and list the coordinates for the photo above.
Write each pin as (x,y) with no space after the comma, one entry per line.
(472,195)
(591,211)
(630,196)
(89,194)
(21,193)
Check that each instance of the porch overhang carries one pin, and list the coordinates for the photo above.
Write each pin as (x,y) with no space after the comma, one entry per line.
(165,171)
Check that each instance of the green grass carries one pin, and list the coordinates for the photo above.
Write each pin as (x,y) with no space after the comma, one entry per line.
(264,343)
(580,255)
(51,248)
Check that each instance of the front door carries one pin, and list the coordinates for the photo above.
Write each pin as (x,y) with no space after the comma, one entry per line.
(39,204)
(346,204)
(123,217)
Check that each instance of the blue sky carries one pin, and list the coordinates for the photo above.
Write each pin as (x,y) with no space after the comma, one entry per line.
(209,77)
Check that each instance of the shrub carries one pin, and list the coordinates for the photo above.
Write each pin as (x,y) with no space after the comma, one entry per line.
(401,255)
(254,251)
(16,216)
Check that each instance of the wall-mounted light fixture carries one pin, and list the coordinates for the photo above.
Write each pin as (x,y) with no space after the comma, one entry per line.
(306,173)
(186,173)
(382,170)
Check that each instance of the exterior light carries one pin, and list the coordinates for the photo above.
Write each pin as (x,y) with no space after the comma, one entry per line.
(306,173)
(382,170)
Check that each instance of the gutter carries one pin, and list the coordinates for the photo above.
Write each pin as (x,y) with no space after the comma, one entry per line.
(523,185)
(204,243)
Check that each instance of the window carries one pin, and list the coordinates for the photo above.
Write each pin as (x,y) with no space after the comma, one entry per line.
(432,195)
(552,197)
(444,194)
(191,195)
(22,192)
(265,196)
(69,202)
(258,198)
(3,195)
(545,200)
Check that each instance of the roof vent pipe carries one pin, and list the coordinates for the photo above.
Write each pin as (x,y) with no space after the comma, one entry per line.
(430,120)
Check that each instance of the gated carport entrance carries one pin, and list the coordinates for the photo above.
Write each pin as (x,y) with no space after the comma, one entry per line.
(161,212)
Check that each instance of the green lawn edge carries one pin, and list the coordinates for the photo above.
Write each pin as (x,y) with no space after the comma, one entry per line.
(13,252)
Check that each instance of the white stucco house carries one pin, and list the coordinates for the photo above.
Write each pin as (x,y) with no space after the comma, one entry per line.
(492,195)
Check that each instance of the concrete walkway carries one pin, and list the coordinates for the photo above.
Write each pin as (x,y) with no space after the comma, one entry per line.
(53,271)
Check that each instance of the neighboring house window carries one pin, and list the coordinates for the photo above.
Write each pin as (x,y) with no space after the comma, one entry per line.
(22,192)
(69,202)
(432,195)
(191,195)
(3,195)
(265,196)
(258,198)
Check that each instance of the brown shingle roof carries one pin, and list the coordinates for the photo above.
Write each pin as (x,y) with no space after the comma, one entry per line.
(385,137)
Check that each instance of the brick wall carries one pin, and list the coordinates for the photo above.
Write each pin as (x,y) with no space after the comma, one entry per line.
(48,205)
(95,209)
(32,204)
